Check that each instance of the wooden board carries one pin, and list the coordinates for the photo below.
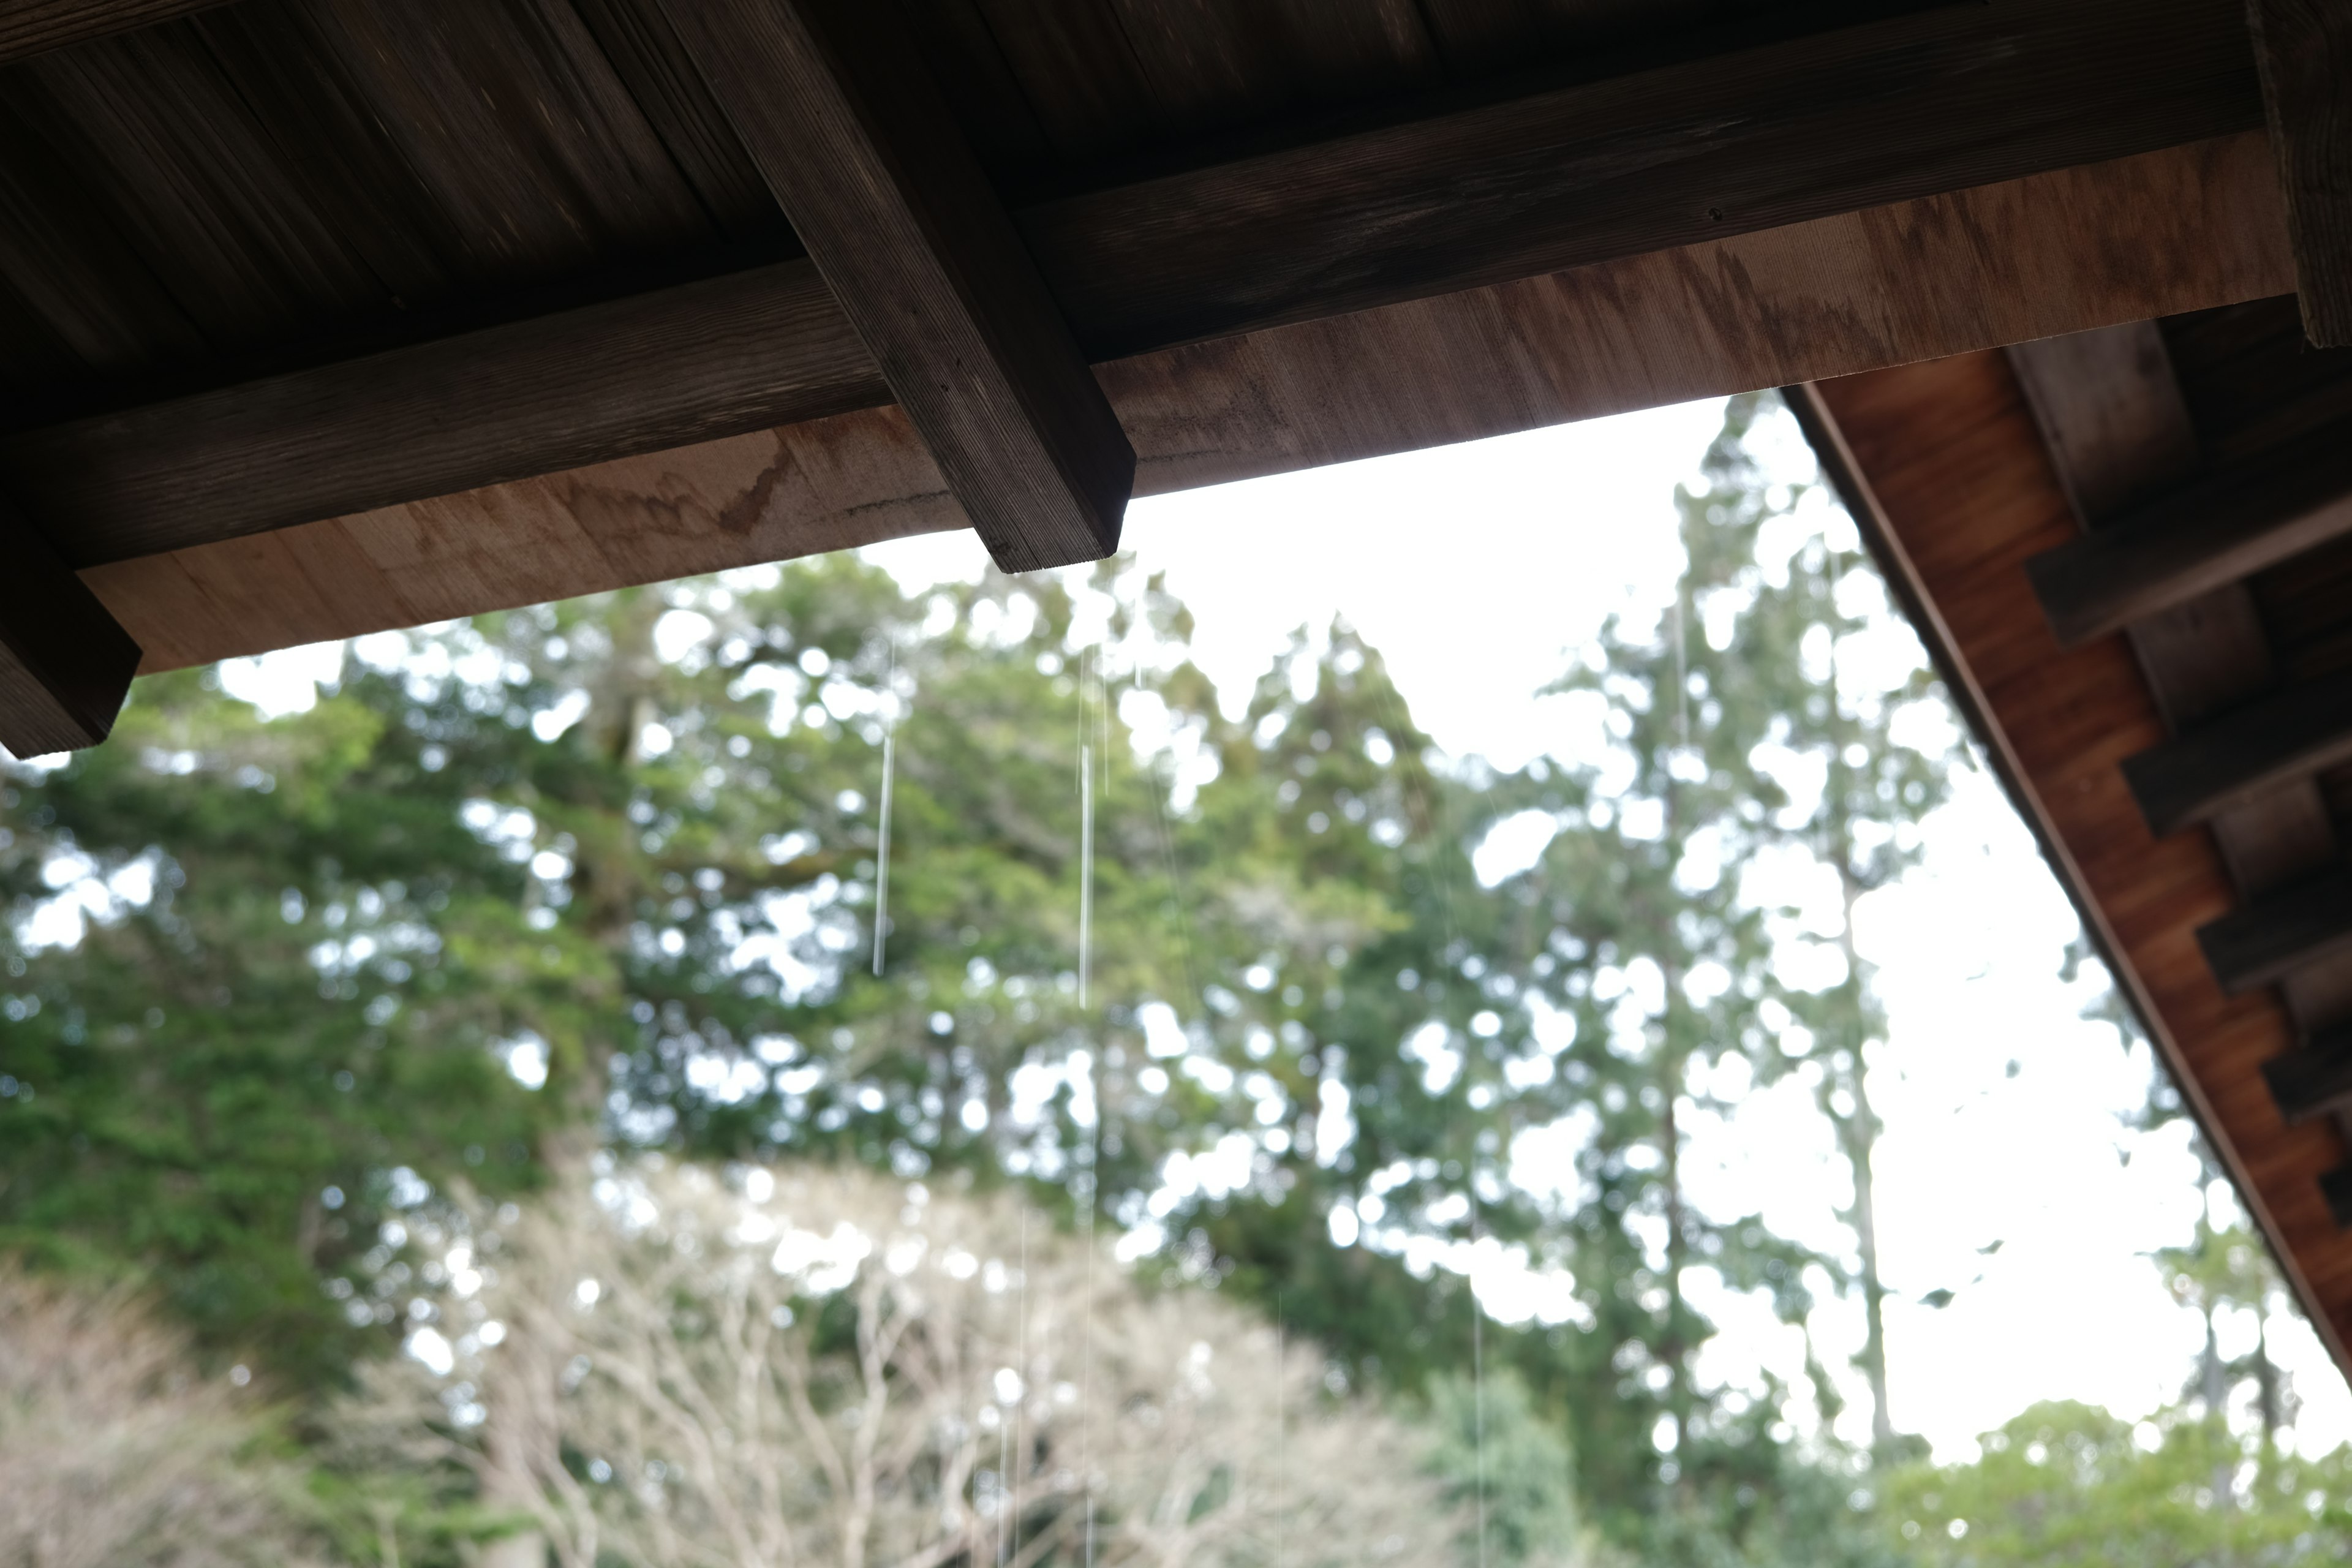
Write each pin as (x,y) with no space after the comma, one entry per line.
(2305,50)
(1954,458)
(1757,139)
(746,352)
(2057,253)
(36,26)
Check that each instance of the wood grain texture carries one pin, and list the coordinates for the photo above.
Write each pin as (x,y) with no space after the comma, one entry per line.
(2057,253)
(65,662)
(850,133)
(1996,264)
(2304,49)
(1945,99)
(30,27)
(2239,758)
(2116,422)
(743,352)
(1954,454)
(2227,526)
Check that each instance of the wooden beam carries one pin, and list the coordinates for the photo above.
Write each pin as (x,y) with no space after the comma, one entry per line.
(2242,756)
(36,26)
(2304,50)
(1858,117)
(697,363)
(851,134)
(2337,1187)
(65,664)
(2315,1078)
(313,445)
(2269,939)
(2228,525)
(2182,229)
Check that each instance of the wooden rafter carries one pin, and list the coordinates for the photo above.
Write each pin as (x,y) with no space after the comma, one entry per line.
(2243,756)
(2313,1079)
(747,352)
(2292,928)
(2305,50)
(852,138)
(1380,217)
(2225,527)
(65,664)
(30,27)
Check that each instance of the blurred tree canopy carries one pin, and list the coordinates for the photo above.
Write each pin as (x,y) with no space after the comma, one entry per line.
(604,875)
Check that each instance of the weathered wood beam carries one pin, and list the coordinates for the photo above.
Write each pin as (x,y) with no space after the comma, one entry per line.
(1398,214)
(841,116)
(2280,932)
(2230,524)
(747,352)
(36,26)
(2245,754)
(2304,50)
(1858,117)
(65,664)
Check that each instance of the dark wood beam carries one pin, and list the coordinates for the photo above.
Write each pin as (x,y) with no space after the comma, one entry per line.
(2337,1188)
(36,26)
(1858,117)
(747,352)
(2242,756)
(2230,524)
(1947,99)
(2280,932)
(2315,1078)
(849,130)
(65,664)
(2304,49)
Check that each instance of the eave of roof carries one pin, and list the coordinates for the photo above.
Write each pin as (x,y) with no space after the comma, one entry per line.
(1943,464)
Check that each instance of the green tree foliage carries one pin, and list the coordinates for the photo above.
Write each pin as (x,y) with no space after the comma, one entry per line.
(1508,1471)
(605,873)
(2070,1486)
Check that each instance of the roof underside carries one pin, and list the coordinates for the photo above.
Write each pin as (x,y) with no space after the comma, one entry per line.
(321,316)
(2189,772)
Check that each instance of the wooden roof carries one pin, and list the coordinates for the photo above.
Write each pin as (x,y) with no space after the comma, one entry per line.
(2131,550)
(319,316)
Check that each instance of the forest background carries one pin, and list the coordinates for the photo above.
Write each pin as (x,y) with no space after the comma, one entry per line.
(1361,1023)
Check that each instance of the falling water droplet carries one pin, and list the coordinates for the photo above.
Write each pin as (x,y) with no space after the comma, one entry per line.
(882,854)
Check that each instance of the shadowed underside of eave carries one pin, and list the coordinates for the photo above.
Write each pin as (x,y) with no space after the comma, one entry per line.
(2152,235)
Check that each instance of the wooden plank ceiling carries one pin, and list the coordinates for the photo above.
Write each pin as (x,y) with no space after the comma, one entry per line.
(430,275)
(2131,550)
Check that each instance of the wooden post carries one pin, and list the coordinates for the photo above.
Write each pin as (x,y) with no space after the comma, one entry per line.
(2304,50)
(849,130)
(65,664)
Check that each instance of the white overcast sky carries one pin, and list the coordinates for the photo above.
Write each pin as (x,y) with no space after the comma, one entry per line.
(1472,568)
